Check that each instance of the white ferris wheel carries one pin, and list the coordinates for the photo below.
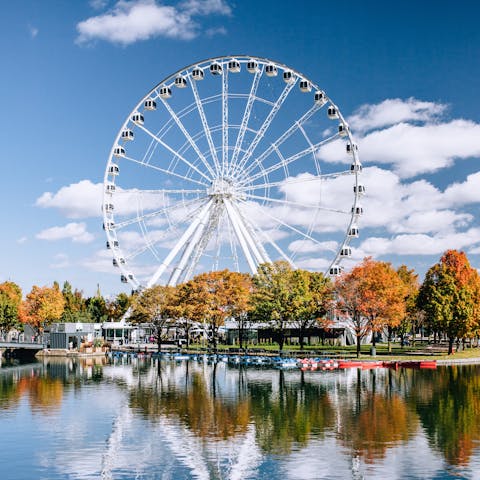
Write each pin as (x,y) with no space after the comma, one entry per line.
(223,165)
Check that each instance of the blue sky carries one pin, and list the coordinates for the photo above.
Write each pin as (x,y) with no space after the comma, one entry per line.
(404,74)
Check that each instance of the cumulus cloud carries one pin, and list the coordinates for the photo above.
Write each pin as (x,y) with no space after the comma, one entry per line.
(420,244)
(131,21)
(414,149)
(84,199)
(77,232)
(392,111)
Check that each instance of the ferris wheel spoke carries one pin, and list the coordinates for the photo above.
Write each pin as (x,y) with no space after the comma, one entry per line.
(173,152)
(266,124)
(269,239)
(188,136)
(246,117)
(162,211)
(284,162)
(286,225)
(233,243)
(224,120)
(295,204)
(160,191)
(195,242)
(171,227)
(288,182)
(206,128)
(285,135)
(248,235)
(167,172)
(180,244)
(200,246)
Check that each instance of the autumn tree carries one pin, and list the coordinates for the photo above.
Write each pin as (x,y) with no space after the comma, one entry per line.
(42,306)
(383,296)
(213,297)
(349,303)
(450,295)
(10,300)
(154,306)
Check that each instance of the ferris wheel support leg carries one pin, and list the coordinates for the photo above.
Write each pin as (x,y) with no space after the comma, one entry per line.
(239,232)
(247,234)
(183,240)
(194,241)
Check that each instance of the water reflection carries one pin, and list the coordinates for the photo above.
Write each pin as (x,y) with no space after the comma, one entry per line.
(216,421)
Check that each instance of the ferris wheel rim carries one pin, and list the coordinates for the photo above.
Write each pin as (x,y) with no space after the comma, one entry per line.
(187,71)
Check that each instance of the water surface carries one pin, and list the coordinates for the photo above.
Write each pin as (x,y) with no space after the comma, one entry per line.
(140,418)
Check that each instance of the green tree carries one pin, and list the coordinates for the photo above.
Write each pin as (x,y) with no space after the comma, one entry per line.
(10,300)
(412,318)
(271,297)
(118,306)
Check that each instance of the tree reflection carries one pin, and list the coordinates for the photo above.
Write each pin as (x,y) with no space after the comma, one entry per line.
(448,403)
(291,415)
(378,418)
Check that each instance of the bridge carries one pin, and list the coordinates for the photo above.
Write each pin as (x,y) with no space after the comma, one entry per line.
(13,349)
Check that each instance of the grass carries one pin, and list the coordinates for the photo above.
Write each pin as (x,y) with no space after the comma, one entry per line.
(417,352)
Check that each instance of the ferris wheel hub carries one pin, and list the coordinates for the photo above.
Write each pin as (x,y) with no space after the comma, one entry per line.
(222,187)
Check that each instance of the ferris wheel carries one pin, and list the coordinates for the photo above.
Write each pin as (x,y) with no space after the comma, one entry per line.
(227,164)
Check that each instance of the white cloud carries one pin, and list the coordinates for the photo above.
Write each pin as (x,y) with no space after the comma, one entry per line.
(77,232)
(465,192)
(22,240)
(420,244)
(131,21)
(84,199)
(392,111)
(98,4)
(206,7)
(77,200)
(414,149)
(307,246)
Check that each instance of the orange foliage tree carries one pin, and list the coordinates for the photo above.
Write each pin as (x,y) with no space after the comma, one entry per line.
(450,297)
(213,297)
(382,296)
(371,298)
(42,306)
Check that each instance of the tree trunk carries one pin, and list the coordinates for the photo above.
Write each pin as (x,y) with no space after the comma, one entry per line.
(450,345)
(389,330)
(281,340)
(240,334)
(358,345)
(301,336)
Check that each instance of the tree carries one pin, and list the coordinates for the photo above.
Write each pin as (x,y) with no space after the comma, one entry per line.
(311,298)
(412,317)
(382,296)
(271,298)
(10,300)
(155,306)
(212,298)
(350,304)
(42,306)
(239,304)
(450,295)
(75,305)
(117,307)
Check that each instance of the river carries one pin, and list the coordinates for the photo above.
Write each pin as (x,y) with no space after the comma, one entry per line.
(133,418)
